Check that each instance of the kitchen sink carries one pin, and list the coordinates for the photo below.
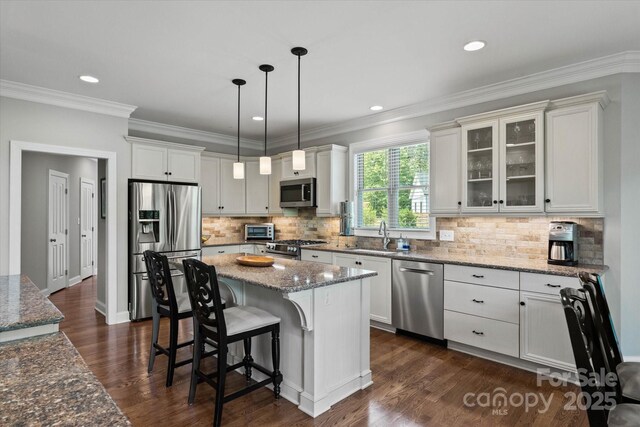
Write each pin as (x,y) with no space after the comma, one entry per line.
(372,251)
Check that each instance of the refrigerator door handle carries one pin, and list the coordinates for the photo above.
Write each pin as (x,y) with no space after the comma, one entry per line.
(174,242)
(169,220)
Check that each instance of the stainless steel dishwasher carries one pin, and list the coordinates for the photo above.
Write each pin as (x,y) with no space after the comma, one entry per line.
(418,298)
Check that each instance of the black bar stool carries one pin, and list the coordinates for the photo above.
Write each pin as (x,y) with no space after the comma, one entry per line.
(603,409)
(224,327)
(166,303)
(628,373)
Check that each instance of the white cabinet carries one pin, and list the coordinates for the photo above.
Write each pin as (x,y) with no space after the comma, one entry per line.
(274,186)
(219,250)
(331,179)
(316,256)
(574,169)
(232,191)
(502,156)
(544,336)
(257,187)
(164,161)
(380,284)
(210,184)
(308,172)
(444,169)
(248,248)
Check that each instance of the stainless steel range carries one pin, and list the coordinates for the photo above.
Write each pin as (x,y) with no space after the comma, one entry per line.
(290,248)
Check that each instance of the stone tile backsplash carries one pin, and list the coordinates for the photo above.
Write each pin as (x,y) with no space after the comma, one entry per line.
(504,237)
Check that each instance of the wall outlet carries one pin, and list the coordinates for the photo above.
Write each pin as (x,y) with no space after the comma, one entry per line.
(446,235)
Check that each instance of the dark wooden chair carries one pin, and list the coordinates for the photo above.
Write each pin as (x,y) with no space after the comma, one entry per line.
(167,303)
(628,373)
(239,323)
(602,406)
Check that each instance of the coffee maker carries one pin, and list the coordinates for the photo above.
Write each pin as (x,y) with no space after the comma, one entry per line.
(563,243)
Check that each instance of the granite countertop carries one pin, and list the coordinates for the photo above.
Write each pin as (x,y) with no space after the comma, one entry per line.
(285,275)
(212,242)
(44,381)
(516,264)
(23,306)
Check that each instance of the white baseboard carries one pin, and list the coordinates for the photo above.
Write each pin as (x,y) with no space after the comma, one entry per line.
(45,292)
(382,326)
(122,317)
(101,308)
(74,280)
(632,359)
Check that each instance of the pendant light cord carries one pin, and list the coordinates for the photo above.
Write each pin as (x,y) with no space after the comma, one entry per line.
(298,102)
(266,88)
(238,123)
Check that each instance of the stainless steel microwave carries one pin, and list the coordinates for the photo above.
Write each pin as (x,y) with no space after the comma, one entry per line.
(298,193)
(263,231)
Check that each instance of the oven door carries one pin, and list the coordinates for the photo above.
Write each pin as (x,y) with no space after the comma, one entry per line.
(298,193)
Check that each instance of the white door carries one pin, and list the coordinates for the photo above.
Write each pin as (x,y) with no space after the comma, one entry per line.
(544,335)
(257,189)
(232,191)
(58,231)
(445,171)
(183,165)
(87,224)
(210,183)
(149,162)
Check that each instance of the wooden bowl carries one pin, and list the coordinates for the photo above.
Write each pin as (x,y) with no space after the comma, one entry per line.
(255,260)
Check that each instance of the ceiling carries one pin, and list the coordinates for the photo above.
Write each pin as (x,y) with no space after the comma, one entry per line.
(175,59)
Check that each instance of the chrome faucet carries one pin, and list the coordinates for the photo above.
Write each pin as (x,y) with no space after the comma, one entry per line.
(382,231)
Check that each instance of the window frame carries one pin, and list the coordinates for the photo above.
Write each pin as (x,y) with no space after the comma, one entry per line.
(393,141)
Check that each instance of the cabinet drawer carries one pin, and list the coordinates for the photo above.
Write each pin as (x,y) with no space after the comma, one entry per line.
(482,276)
(317,256)
(547,283)
(489,334)
(219,250)
(494,303)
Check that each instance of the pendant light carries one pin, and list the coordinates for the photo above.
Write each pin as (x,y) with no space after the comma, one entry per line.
(298,160)
(238,167)
(265,161)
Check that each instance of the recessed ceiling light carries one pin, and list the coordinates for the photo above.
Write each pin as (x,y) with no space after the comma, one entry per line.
(257,118)
(376,108)
(89,79)
(474,45)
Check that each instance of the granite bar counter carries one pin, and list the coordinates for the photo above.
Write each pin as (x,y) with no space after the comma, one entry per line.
(24,311)
(44,382)
(324,325)
(515,264)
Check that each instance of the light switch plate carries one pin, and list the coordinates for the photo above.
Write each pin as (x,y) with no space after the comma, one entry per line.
(446,235)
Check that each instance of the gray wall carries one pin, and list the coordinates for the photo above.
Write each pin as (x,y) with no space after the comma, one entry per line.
(48,124)
(35,178)
(621,181)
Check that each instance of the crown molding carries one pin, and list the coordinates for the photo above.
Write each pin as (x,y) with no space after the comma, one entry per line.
(138,140)
(191,134)
(25,92)
(623,62)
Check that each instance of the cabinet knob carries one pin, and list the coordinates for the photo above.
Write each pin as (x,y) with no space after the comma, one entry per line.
(170,173)
(522,303)
(459,203)
(495,202)
(547,200)
(501,201)
(166,173)
(266,207)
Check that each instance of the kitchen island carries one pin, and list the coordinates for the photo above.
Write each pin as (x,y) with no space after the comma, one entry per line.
(324,312)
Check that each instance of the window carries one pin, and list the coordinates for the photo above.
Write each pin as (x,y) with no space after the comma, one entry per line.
(392,184)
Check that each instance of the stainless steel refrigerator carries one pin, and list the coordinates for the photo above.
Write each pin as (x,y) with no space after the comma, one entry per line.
(164,218)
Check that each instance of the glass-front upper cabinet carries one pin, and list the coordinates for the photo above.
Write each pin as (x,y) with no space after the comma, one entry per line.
(480,166)
(521,163)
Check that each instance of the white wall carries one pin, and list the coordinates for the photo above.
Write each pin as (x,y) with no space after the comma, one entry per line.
(47,124)
(622,181)
(34,238)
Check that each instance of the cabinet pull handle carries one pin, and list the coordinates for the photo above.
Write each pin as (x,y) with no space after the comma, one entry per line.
(221,252)
(477,333)
(522,303)
(314,256)
(52,240)
(170,173)
(552,286)
(478,276)
(459,203)
(479,301)
(547,200)
(501,201)
(166,173)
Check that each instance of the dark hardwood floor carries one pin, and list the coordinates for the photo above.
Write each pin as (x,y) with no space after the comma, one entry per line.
(415,383)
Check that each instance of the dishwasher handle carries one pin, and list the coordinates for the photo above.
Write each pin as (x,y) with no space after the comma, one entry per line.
(416,270)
